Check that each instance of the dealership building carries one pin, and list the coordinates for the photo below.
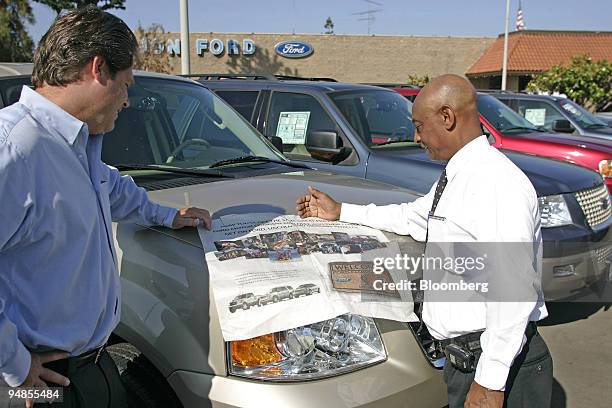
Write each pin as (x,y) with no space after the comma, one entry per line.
(385,58)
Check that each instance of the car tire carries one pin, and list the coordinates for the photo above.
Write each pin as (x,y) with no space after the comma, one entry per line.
(144,385)
(274,299)
(245,306)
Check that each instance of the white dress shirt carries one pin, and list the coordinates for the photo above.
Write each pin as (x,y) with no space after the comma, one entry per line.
(487,199)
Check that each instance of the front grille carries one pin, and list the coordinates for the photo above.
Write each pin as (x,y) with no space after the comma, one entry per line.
(595,204)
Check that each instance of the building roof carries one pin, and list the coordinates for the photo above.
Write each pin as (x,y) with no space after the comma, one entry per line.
(531,51)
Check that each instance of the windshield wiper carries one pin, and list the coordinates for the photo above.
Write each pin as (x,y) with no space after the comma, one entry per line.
(388,142)
(595,125)
(246,159)
(190,172)
(522,128)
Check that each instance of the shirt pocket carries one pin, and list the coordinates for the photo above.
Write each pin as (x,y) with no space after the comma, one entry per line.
(449,229)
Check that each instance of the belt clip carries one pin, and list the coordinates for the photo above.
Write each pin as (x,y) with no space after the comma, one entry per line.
(98,354)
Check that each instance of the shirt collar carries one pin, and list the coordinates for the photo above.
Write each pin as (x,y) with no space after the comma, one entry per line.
(464,154)
(52,117)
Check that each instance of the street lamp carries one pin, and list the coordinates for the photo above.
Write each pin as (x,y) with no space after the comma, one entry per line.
(505,63)
(185,68)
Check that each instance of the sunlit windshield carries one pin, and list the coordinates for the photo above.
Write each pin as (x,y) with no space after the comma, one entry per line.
(178,124)
(504,119)
(584,118)
(379,117)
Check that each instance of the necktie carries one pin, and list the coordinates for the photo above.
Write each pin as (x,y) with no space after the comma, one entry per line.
(418,293)
(439,190)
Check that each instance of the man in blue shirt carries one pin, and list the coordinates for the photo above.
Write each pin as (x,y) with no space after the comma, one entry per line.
(59,285)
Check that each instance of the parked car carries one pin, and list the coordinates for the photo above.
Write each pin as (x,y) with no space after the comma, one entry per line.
(276,295)
(508,130)
(168,344)
(556,114)
(336,127)
(306,289)
(243,301)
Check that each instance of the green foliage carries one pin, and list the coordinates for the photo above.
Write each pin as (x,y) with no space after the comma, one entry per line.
(151,56)
(15,43)
(59,5)
(418,80)
(586,82)
(329,26)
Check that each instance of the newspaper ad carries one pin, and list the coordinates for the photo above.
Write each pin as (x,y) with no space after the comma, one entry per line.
(271,273)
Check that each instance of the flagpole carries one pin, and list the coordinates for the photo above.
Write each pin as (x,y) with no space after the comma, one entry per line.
(184,13)
(505,63)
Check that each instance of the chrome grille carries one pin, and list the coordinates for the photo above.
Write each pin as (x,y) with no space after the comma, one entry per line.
(595,204)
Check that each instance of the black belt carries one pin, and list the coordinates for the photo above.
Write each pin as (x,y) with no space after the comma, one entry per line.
(70,365)
(472,340)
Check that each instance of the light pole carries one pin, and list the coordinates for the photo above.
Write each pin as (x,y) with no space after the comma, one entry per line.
(505,63)
(185,67)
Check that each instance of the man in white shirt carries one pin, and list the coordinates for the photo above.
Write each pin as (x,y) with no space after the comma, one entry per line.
(481,197)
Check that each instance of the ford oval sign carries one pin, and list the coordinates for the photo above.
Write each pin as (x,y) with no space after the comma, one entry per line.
(293,49)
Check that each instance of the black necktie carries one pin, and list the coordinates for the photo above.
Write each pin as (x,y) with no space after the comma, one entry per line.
(418,293)
(439,190)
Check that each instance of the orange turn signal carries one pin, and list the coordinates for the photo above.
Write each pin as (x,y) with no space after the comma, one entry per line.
(255,352)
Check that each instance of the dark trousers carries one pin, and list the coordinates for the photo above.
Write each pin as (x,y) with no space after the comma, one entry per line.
(92,384)
(529,382)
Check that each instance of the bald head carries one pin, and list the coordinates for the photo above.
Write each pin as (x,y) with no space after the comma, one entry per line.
(445,115)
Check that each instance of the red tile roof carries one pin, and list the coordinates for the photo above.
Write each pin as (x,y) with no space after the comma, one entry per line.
(536,51)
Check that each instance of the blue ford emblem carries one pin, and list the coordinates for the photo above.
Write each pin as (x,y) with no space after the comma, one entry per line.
(293,49)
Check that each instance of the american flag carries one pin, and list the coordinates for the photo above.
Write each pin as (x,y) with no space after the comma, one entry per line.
(520,23)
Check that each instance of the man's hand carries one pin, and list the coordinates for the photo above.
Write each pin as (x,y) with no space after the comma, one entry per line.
(318,204)
(191,217)
(38,376)
(481,397)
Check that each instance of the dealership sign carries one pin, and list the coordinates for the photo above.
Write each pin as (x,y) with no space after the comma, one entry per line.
(293,49)
(216,46)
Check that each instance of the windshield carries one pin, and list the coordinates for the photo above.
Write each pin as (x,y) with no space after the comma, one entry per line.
(378,117)
(502,118)
(583,117)
(179,124)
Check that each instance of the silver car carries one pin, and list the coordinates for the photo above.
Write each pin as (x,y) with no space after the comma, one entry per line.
(185,146)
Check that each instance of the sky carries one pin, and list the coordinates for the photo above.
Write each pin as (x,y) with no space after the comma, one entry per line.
(480,18)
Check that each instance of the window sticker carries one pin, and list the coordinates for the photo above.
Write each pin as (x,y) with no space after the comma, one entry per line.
(536,116)
(292,127)
(571,109)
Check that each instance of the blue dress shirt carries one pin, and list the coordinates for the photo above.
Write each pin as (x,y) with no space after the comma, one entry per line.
(59,284)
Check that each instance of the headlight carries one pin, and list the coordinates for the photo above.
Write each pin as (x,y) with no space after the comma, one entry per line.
(554,211)
(323,349)
(605,168)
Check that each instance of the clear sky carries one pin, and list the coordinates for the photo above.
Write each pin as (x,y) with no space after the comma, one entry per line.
(398,17)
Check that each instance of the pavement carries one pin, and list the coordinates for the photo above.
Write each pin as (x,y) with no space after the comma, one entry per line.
(579,336)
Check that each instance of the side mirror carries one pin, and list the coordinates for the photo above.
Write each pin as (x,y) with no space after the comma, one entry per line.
(326,146)
(276,142)
(562,126)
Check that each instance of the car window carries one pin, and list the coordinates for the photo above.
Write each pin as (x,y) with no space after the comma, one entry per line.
(380,118)
(242,101)
(179,124)
(583,117)
(501,117)
(291,117)
(540,113)
(11,90)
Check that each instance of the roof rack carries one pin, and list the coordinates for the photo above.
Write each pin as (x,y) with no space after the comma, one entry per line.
(499,91)
(268,77)
(391,85)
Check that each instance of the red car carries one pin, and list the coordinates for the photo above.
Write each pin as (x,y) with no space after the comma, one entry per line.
(508,130)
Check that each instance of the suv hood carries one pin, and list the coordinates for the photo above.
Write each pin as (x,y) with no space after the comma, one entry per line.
(275,193)
(566,139)
(548,176)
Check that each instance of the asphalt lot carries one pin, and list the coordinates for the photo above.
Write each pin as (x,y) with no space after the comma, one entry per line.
(579,336)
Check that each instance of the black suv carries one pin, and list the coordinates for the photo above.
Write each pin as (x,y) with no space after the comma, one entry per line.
(366,131)
(556,114)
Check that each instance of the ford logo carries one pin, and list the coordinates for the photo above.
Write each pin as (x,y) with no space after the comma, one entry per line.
(293,49)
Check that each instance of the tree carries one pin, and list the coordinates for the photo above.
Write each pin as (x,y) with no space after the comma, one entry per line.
(59,5)
(418,80)
(329,26)
(586,82)
(151,56)
(15,43)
